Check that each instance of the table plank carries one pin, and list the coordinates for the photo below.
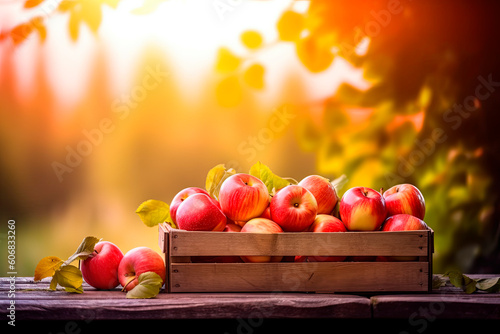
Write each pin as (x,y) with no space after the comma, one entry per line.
(447,302)
(34,301)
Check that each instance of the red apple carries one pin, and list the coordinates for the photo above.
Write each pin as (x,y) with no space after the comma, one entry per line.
(404,198)
(243,197)
(293,208)
(232,228)
(180,197)
(326,223)
(266,213)
(100,269)
(261,225)
(402,222)
(200,212)
(136,262)
(324,192)
(362,209)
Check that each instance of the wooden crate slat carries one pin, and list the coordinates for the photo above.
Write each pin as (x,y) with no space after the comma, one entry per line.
(312,276)
(406,243)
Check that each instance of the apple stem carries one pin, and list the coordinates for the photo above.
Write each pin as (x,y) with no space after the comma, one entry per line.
(381,191)
(128,282)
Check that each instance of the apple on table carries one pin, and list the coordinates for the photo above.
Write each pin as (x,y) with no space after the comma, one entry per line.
(100,269)
(137,261)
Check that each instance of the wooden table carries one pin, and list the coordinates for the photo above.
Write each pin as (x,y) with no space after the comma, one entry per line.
(243,312)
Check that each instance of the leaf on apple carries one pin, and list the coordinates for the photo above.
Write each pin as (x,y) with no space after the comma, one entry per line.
(84,250)
(215,178)
(149,286)
(153,212)
(47,267)
(271,180)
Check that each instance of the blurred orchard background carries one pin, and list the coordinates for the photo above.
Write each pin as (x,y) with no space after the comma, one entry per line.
(107,103)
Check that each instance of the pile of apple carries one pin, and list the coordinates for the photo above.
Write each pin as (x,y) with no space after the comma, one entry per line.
(245,205)
(107,267)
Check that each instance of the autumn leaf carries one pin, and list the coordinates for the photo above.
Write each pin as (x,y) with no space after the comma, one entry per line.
(315,56)
(290,26)
(47,267)
(251,39)
(226,61)
(229,92)
(254,76)
(215,178)
(153,212)
(32,3)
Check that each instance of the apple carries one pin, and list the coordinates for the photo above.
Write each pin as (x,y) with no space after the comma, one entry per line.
(402,222)
(231,227)
(243,197)
(136,262)
(267,212)
(200,212)
(261,225)
(324,192)
(180,197)
(100,269)
(327,223)
(293,208)
(362,209)
(404,198)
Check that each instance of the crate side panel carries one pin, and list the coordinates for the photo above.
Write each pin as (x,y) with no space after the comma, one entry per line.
(405,243)
(318,276)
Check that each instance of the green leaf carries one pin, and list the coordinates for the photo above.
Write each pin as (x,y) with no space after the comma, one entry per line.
(489,284)
(69,277)
(215,177)
(456,278)
(84,250)
(153,212)
(272,181)
(149,286)
(469,284)
(339,183)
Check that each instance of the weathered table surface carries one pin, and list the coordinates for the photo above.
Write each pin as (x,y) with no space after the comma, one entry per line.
(34,301)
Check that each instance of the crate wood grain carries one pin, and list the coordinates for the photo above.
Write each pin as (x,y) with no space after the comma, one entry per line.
(183,276)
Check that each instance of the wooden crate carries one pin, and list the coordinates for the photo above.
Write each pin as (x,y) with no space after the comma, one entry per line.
(348,276)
